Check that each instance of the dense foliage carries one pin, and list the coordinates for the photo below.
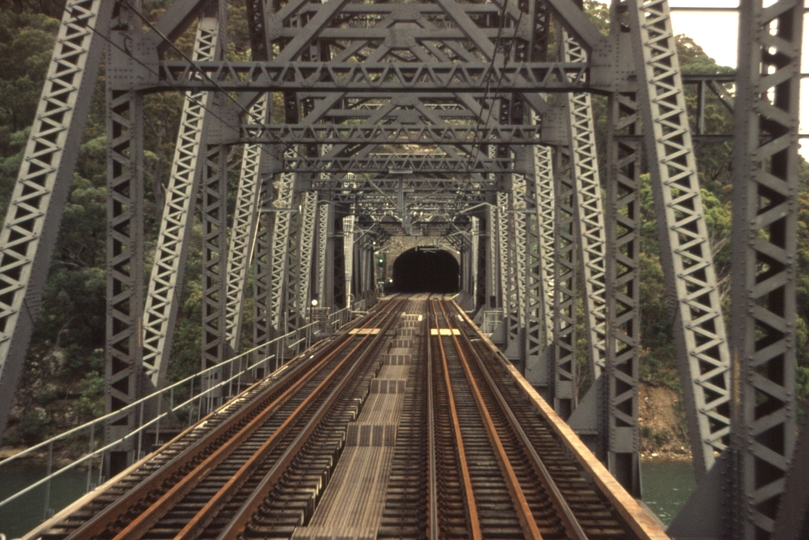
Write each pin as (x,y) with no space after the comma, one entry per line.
(64,371)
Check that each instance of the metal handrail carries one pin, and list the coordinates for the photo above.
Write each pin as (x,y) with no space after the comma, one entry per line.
(338,318)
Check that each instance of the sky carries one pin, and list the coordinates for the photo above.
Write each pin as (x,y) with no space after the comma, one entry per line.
(716,33)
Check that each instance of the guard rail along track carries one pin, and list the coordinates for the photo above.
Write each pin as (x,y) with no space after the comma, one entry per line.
(407,424)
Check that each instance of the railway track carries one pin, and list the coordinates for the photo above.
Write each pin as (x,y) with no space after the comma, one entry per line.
(194,475)
(405,426)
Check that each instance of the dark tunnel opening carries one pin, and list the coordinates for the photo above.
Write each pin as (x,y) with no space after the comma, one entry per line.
(428,270)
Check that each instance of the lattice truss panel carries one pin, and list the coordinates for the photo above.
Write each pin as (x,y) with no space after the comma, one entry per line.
(37,202)
(243,231)
(765,228)
(590,215)
(686,253)
(165,283)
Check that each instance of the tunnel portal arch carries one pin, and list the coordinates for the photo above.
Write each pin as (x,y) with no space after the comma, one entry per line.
(426,269)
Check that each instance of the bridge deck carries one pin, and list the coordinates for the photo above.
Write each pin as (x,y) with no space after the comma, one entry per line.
(407,425)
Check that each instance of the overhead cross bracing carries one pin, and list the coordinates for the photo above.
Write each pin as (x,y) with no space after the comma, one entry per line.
(472,121)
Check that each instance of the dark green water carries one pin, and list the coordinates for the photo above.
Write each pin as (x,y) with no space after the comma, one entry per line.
(25,513)
(666,487)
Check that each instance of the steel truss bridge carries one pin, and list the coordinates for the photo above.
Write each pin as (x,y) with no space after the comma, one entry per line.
(355,117)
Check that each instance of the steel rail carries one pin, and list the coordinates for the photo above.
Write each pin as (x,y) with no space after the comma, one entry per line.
(154,482)
(466,479)
(225,493)
(432,490)
(636,521)
(521,507)
(241,519)
(159,508)
(571,523)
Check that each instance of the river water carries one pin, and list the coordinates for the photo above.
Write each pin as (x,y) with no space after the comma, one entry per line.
(666,486)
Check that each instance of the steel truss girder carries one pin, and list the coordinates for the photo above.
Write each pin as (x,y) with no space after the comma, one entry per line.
(307,239)
(262,280)
(282,229)
(369,77)
(493,280)
(388,134)
(589,212)
(123,351)
(699,328)
(242,234)
(536,371)
(508,268)
(292,264)
(515,279)
(383,186)
(324,219)
(348,254)
(383,163)
(545,197)
(619,384)
(166,281)
(564,281)
(37,201)
(764,244)
(214,256)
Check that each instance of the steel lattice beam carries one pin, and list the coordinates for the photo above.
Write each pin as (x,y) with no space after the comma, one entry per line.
(387,134)
(699,328)
(282,208)
(125,290)
(369,77)
(383,163)
(564,280)
(590,215)
(166,281)
(37,202)
(242,233)
(764,244)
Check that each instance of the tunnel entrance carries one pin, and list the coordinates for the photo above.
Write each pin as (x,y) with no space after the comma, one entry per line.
(425,270)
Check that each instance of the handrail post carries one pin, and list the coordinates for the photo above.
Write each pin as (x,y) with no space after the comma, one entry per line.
(191,405)
(48,483)
(90,457)
(140,433)
(157,427)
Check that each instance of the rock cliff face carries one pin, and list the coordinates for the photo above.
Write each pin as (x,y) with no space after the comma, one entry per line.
(662,420)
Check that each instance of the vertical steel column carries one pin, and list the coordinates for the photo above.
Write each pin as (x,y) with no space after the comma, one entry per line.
(564,279)
(493,279)
(240,249)
(262,261)
(519,220)
(546,201)
(474,249)
(348,256)
(611,405)
(699,329)
(214,255)
(166,282)
(123,350)
(282,208)
(589,212)
(307,225)
(336,259)
(765,225)
(38,199)
(536,368)
(623,336)
(291,309)
(539,265)
(324,218)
